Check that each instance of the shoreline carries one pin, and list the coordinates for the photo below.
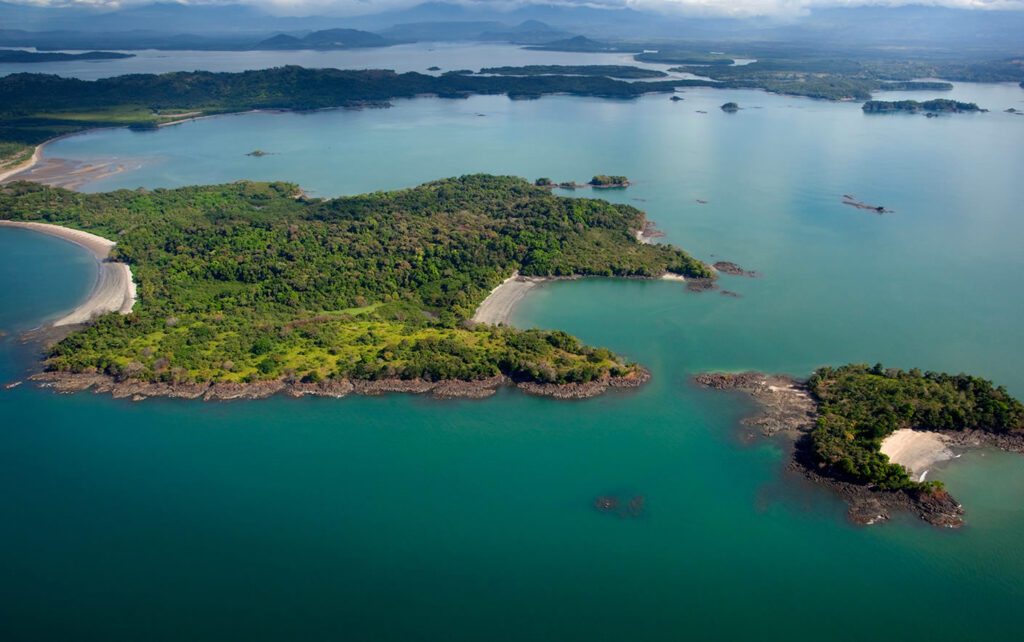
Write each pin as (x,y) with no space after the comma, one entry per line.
(497,308)
(785,405)
(69,382)
(27,164)
(114,289)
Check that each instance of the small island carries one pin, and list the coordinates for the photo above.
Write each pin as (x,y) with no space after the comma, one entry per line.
(610,71)
(937,106)
(604,181)
(730,107)
(250,289)
(19,56)
(257,153)
(873,433)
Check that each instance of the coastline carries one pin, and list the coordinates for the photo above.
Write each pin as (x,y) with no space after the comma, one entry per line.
(497,308)
(26,164)
(114,290)
(99,383)
(785,405)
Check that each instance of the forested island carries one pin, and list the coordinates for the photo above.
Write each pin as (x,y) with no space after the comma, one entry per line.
(937,106)
(611,71)
(842,418)
(37,107)
(249,289)
(19,56)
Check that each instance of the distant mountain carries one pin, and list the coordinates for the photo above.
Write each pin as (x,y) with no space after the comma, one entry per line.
(526,32)
(578,43)
(20,56)
(325,39)
(927,28)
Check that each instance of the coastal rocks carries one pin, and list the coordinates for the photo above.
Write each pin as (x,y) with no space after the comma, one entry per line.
(585,390)
(730,108)
(68,382)
(853,202)
(613,505)
(785,403)
(675,99)
(701,285)
(648,233)
(728,267)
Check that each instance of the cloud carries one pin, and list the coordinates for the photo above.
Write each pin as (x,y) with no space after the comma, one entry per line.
(695,7)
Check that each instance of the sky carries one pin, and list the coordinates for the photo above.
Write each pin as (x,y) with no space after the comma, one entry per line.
(704,7)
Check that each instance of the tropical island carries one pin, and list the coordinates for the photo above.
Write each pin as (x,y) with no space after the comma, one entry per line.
(249,289)
(939,105)
(872,433)
(610,71)
(603,181)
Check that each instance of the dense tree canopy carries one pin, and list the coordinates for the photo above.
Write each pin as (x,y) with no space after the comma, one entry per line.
(252,281)
(859,406)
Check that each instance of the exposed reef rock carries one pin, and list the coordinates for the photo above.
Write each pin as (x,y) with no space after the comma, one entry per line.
(65,382)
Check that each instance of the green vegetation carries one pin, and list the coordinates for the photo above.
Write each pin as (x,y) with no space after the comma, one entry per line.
(252,281)
(544,182)
(602,180)
(859,406)
(611,71)
(932,106)
(36,107)
(19,56)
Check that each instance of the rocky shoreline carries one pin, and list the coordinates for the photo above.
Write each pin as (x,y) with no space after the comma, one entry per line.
(786,406)
(68,382)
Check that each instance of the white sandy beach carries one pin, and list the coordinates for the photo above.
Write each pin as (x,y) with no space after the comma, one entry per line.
(114,290)
(497,307)
(916,450)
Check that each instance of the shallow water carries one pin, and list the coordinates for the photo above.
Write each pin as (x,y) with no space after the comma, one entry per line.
(401,517)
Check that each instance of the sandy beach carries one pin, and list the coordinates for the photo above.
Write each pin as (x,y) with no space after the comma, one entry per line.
(916,450)
(23,166)
(497,307)
(114,290)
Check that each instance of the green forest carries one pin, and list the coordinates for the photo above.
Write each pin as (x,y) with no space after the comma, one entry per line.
(860,405)
(254,281)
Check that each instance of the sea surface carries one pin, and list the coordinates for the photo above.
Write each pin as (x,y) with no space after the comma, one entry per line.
(405,518)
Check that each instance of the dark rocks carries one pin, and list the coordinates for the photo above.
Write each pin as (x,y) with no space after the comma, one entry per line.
(612,504)
(700,285)
(727,267)
(730,108)
(66,382)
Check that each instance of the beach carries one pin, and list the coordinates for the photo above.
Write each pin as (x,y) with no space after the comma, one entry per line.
(23,166)
(916,450)
(114,290)
(497,307)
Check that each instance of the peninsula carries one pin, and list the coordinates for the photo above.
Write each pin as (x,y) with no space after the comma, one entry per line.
(872,433)
(249,289)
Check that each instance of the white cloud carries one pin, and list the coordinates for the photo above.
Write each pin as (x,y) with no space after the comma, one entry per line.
(702,7)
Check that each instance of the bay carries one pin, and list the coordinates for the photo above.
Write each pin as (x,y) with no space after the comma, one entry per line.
(406,518)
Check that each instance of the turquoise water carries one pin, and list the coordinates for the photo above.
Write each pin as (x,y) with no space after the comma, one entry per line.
(406,518)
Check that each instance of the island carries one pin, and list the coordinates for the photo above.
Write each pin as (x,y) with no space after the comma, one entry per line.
(730,107)
(937,106)
(611,71)
(19,56)
(604,181)
(250,289)
(872,433)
